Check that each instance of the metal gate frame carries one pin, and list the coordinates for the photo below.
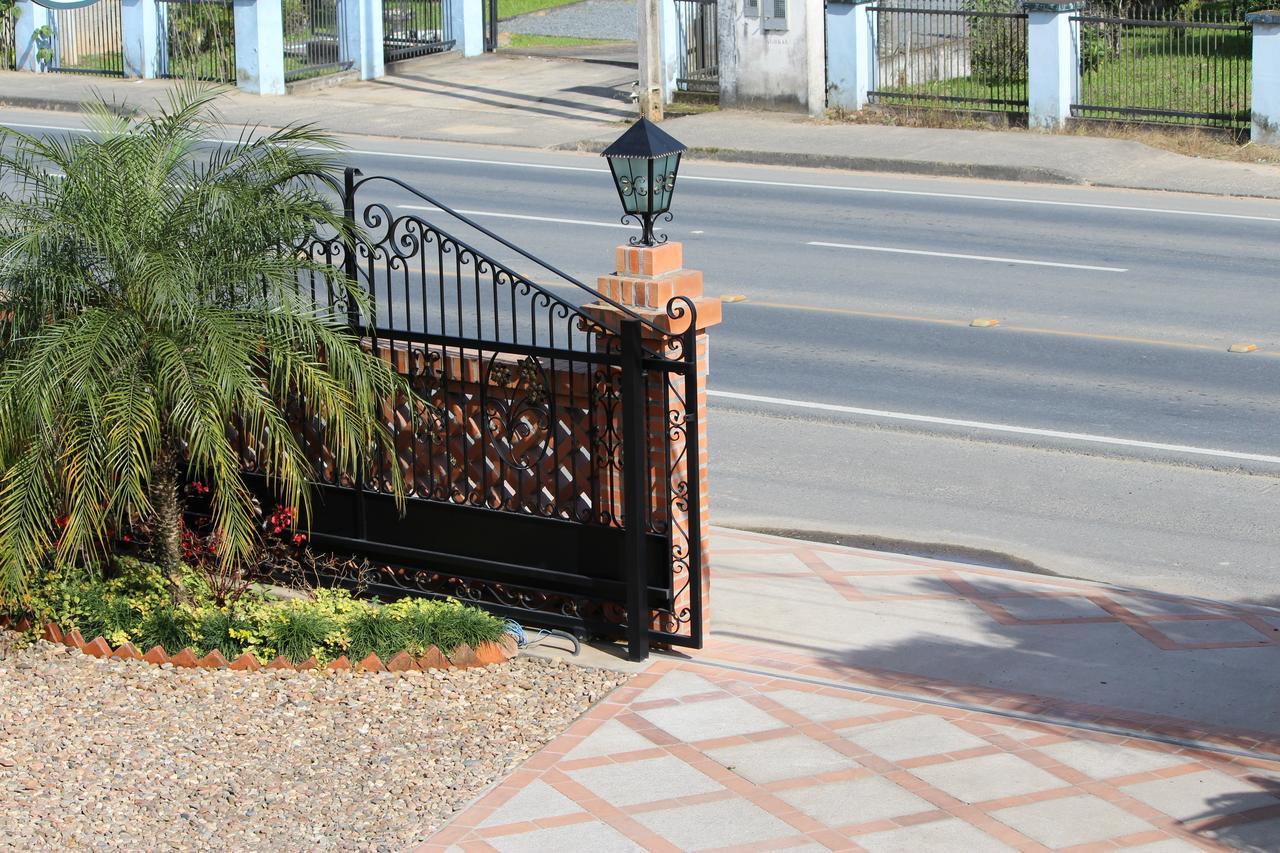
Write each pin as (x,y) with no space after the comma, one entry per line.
(552,454)
(1134,90)
(222,68)
(698,29)
(104,37)
(402,38)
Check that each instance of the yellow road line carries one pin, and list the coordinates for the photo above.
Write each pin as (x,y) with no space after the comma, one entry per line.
(1030,330)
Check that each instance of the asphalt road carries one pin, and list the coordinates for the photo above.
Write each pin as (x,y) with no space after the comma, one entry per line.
(1101,430)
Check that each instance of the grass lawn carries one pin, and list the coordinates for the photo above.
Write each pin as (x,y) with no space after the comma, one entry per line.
(973,94)
(1195,71)
(511,8)
(523,40)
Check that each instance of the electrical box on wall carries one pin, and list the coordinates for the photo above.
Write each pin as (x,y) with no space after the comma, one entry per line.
(775,17)
(751,8)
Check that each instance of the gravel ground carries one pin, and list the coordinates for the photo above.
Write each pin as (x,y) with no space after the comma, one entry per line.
(101,755)
(594,19)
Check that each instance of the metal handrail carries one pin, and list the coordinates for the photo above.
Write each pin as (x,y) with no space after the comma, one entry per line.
(352,171)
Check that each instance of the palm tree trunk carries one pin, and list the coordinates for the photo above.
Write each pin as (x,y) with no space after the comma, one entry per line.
(166,544)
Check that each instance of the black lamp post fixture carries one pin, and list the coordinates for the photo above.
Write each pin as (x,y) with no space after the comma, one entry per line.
(644,161)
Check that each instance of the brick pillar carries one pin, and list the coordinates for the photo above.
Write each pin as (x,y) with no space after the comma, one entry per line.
(645,280)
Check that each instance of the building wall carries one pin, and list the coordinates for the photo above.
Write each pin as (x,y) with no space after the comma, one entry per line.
(770,68)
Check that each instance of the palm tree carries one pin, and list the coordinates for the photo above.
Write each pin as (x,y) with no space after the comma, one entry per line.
(150,300)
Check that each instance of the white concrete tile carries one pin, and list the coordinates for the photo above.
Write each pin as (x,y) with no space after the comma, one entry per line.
(822,708)
(1071,820)
(912,737)
(535,800)
(784,758)
(941,836)
(857,801)
(1106,761)
(1058,607)
(719,824)
(713,718)
(1209,631)
(774,564)
(676,685)
(609,739)
(989,777)
(595,836)
(1196,796)
(634,782)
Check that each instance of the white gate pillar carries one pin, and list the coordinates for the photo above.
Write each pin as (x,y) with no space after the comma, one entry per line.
(361,29)
(31,17)
(851,53)
(1265,109)
(467,25)
(1053,58)
(140,27)
(260,46)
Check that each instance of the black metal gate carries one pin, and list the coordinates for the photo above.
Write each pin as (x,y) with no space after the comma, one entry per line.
(699,69)
(491,25)
(313,43)
(415,28)
(947,53)
(551,461)
(87,40)
(197,40)
(1152,65)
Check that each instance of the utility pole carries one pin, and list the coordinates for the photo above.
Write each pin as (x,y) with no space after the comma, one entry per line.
(649,42)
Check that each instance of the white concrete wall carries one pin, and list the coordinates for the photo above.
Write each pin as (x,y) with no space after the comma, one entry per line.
(769,68)
(1266,77)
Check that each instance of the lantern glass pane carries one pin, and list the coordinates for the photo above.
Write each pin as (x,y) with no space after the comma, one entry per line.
(632,179)
(664,180)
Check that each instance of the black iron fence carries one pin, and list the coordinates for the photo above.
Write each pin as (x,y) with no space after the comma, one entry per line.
(87,40)
(313,42)
(197,40)
(1151,65)
(699,45)
(416,28)
(551,457)
(947,53)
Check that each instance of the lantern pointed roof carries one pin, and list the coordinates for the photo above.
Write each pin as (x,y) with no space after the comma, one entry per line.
(644,140)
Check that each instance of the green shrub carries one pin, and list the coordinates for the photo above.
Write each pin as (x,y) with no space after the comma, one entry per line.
(115,617)
(223,630)
(444,624)
(997,50)
(298,631)
(134,604)
(376,630)
(173,627)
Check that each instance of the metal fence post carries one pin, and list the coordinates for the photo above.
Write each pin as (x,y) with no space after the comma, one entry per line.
(635,468)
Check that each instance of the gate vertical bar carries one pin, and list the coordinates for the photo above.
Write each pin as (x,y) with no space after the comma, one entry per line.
(635,467)
(693,391)
(350,270)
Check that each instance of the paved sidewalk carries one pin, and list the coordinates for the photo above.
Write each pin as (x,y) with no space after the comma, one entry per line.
(987,729)
(567,104)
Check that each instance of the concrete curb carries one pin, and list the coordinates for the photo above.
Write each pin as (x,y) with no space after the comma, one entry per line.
(934,168)
(27,102)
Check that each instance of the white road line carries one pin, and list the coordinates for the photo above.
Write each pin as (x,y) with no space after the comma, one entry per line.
(521,216)
(965,257)
(990,427)
(783,184)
